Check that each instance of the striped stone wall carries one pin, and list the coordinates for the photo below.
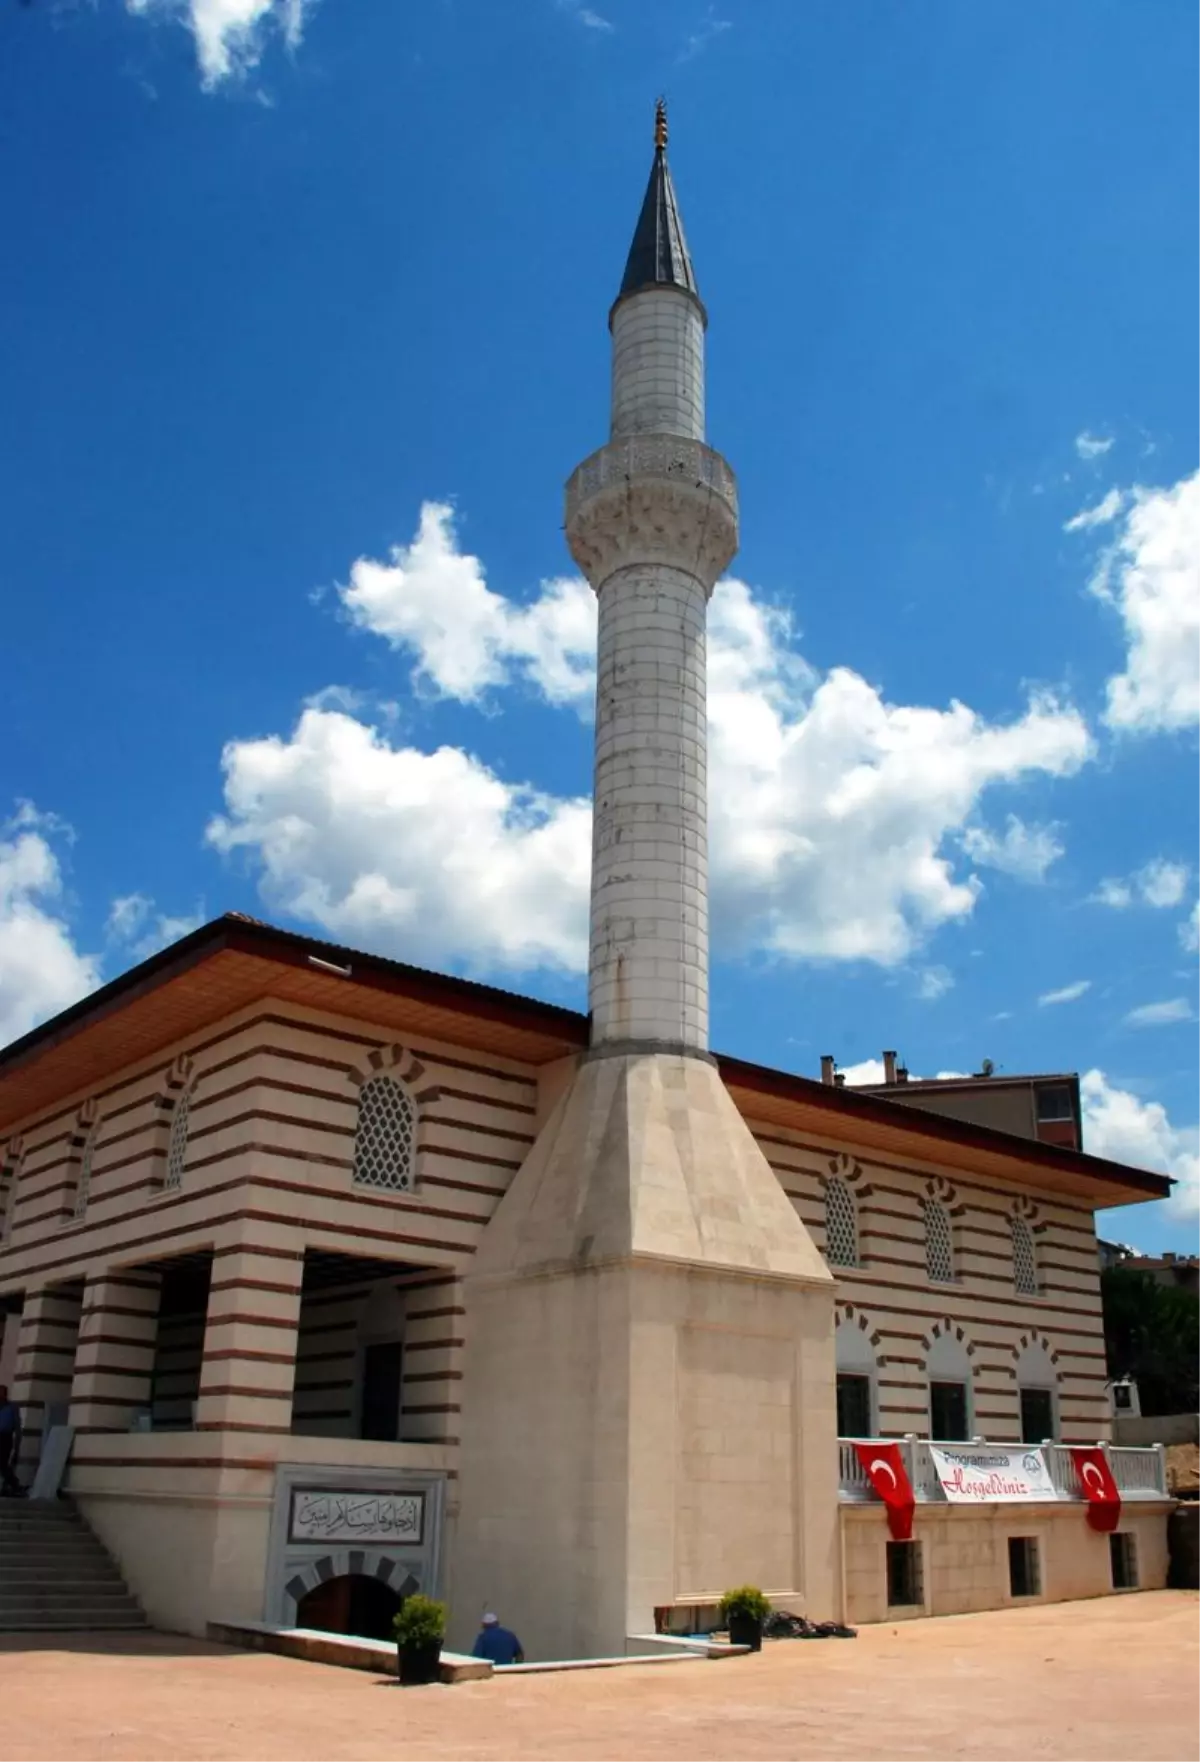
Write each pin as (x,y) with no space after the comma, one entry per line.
(336,1325)
(266,1172)
(890,1297)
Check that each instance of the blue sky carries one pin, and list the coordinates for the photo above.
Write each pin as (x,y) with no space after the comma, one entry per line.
(304,327)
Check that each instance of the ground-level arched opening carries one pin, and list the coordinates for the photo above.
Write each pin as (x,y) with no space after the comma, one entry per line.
(354,1603)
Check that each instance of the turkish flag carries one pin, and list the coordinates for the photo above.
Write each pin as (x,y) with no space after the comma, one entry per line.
(884,1466)
(1099,1488)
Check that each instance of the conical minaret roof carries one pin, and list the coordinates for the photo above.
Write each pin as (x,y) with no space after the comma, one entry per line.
(658,256)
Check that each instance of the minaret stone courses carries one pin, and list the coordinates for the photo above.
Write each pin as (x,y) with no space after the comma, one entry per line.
(648,1394)
(651,520)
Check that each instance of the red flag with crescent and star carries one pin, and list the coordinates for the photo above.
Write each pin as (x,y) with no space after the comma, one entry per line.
(1099,1488)
(884,1468)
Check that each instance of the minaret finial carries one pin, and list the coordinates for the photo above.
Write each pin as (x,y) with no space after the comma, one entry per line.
(660,124)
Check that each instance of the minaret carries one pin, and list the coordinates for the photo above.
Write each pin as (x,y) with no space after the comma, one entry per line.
(648,1401)
(652,521)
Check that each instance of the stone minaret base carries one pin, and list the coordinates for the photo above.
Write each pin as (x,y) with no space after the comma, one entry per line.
(648,1402)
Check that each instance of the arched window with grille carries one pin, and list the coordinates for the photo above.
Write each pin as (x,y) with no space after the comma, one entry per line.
(386,1136)
(939,1243)
(1025,1268)
(84,1182)
(841,1223)
(10,1172)
(177,1143)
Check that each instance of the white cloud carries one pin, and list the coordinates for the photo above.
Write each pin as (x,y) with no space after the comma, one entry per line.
(429,852)
(708,31)
(1068,993)
(1159,1015)
(1157,883)
(433,600)
(230,35)
(868,1070)
(41,970)
(1118,1125)
(592,21)
(1118,894)
(1151,576)
(1092,446)
(1104,512)
(835,816)
(135,926)
(1161,883)
(933,983)
(1189,931)
(1021,850)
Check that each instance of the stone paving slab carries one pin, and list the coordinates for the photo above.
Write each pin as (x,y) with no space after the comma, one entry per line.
(1111,1679)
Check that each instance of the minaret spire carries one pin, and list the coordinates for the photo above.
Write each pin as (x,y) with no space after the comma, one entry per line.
(658,256)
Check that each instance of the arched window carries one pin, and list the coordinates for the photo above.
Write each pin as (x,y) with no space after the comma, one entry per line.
(939,1243)
(1025,1272)
(1037,1391)
(84,1182)
(177,1143)
(948,1371)
(857,1371)
(385,1141)
(841,1224)
(10,1170)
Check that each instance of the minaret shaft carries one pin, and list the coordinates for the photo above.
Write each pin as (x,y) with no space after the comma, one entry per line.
(648,969)
(652,520)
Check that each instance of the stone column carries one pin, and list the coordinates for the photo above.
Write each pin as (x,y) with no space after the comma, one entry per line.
(114,1362)
(249,1364)
(46,1345)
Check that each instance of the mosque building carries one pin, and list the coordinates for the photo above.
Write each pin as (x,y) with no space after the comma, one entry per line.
(341,1278)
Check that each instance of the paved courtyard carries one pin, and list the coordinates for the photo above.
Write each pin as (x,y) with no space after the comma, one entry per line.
(1113,1678)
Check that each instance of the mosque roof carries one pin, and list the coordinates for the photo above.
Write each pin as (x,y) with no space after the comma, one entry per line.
(236,961)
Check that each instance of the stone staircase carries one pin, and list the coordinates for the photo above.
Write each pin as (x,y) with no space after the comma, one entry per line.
(55,1577)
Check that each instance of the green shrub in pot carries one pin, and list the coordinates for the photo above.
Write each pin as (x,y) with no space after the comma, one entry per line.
(420,1630)
(743,1612)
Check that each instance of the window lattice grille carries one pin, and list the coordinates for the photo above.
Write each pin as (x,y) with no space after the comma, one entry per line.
(85,1175)
(939,1243)
(386,1137)
(177,1143)
(841,1224)
(1025,1273)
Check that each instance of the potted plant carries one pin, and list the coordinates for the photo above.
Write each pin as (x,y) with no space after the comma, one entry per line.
(743,1613)
(420,1627)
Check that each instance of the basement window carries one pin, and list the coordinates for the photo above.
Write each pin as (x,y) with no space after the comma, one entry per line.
(1024,1567)
(1122,1550)
(905,1587)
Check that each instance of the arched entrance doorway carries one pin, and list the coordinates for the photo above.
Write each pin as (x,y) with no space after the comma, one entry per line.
(352,1604)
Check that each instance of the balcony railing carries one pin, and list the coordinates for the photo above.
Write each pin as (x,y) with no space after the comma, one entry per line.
(1138,1473)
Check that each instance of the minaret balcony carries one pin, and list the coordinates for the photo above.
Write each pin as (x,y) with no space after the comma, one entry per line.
(652,497)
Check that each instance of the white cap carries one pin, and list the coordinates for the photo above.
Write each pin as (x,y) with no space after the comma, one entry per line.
(491,1620)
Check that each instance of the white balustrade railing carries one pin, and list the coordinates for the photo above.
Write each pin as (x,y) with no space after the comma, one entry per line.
(1138,1473)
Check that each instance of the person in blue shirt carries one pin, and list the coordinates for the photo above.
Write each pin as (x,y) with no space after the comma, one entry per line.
(10,1445)
(498,1644)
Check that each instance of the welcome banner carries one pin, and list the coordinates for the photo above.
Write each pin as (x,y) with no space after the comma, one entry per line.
(979,1476)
